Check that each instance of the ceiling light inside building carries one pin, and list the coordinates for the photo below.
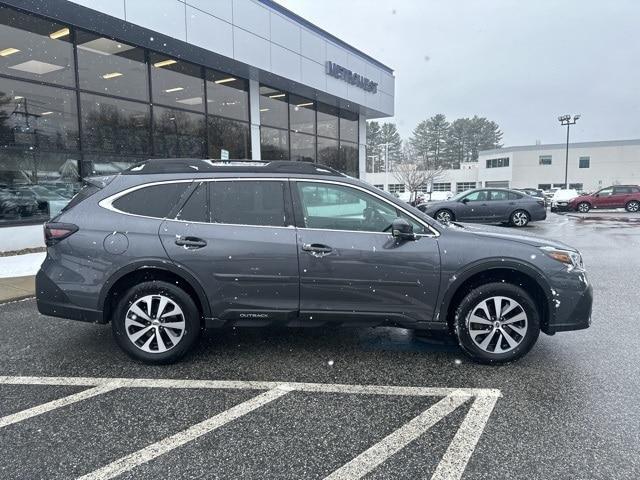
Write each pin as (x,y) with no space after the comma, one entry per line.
(107,76)
(308,104)
(63,32)
(18,97)
(164,63)
(225,80)
(264,109)
(37,67)
(191,101)
(8,51)
(46,113)
(277,95)
(104,46)
(175,89)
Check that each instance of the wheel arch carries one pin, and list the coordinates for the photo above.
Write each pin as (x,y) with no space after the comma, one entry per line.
(511,271)
(148,270)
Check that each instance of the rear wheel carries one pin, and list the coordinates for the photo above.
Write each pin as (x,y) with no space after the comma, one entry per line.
(632,206)
(497,323)
(444,216)
(156,322)
(520,218)
(584,207)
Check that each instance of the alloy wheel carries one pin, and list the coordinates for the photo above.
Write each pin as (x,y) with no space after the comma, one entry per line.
(154,323)
(444,216)
(583,207)
(497,324)
(633,206)
(520,219)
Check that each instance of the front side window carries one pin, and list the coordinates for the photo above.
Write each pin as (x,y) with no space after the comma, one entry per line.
(478,196)
(605,192)
(338,207)
(248,203)
(152,201)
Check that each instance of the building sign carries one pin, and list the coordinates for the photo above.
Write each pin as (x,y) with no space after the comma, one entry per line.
(351,78)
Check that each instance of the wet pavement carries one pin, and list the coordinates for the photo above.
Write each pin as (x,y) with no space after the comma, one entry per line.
(567,410)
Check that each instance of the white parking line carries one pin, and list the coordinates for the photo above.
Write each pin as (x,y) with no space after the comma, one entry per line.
(397,440)
(154,450)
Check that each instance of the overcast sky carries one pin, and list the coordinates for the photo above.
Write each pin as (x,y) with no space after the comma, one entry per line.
(518,62)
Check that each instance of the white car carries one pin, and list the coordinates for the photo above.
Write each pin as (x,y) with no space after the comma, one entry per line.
(561,198)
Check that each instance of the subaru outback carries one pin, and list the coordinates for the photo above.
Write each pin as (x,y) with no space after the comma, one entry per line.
(171,247)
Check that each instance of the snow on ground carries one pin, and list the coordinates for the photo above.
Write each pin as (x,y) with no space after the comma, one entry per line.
(21,265)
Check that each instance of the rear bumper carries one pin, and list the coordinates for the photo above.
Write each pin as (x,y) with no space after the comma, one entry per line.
(54,302)
(578,317)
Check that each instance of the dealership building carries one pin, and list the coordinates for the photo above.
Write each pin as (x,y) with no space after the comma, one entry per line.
(92,87)
(590,166)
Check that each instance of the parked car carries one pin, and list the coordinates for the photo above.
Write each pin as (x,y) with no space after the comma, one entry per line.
(534,192)
(616,196)
(174,246)
(562,198)
(488,205)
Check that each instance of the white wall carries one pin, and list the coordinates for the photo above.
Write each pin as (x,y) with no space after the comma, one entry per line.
(17,238)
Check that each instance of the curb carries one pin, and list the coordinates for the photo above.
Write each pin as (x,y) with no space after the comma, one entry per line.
(17,299)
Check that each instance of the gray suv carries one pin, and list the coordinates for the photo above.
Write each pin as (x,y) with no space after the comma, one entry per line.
(171,247)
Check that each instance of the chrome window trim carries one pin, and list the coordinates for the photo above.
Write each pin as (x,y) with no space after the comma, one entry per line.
(107,203)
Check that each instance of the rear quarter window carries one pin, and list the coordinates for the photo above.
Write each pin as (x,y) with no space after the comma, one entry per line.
(153,201)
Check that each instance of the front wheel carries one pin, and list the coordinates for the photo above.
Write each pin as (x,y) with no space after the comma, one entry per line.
(156,322)
(633,206)
(497,323)
(520,218)
(584,207)
(444,216)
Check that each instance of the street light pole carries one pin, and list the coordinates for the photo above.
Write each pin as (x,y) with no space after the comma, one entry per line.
(568,121)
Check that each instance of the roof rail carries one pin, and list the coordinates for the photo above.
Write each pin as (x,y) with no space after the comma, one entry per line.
(199,165)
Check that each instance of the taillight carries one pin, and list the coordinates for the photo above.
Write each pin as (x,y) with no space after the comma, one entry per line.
(54,232)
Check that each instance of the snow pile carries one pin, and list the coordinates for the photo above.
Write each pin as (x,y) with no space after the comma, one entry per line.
(21,265)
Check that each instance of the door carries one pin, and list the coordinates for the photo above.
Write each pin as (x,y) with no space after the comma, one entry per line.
(351,269)
(474,207)
(237,238)
(500,207)
(620,197)
(604,198)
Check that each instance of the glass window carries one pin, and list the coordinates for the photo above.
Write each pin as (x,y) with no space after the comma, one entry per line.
(328,152)
(36,116)
(513,196)
(302,114)
(497,162)
(273,107)
(111,125)
(177,133)
(227,95)
(229,135)
(35,185)
(154,201)
(544,186)
(348,159)
(111,67)
(99,164)
(196,209)
(478,196)
(622,190)
(337,207)
(327,121)
(349,126)
(584,162)
(605,192)
(176,83)
(498,195)
(463,186)
(576,186)
(274,144)
(545,159)
(396,187)
(35,48)
(303,147)
(442,187)
(248,203)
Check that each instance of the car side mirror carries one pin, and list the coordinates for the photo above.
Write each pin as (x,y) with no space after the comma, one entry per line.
(465,200)
(402,230)
(596,194)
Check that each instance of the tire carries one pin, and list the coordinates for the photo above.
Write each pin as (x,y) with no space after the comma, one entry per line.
(519,218)
(144,300)
(498,349)
(444,216)
(583,207)
(632,206)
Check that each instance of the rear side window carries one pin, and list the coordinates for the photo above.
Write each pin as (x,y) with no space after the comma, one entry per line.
(196,209)
(154,201)
(248,203)
(516,196)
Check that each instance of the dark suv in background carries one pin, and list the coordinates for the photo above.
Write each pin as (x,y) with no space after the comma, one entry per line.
(173,246)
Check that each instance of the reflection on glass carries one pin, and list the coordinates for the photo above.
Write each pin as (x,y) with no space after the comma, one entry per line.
(111,67)
(303,147)
(349,126)
(37,117)
(273,107)
(302,114)
(177,133)
(111,125)
(99,164)
(328,152)
(274,144)
(348,159)
(176,83)
(35,49)
(227,95)
(234,137)
(327,121)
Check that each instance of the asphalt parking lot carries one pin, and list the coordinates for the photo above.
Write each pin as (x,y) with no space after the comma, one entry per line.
(342,404)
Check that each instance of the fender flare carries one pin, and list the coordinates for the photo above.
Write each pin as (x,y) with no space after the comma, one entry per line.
(483,265)
(157,264)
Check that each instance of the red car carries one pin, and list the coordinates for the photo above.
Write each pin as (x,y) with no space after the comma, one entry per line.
(617,196)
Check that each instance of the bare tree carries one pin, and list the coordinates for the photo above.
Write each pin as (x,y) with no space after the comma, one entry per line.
(415,172)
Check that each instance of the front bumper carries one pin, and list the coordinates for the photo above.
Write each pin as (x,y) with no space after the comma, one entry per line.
(561,207)
(52,301)
(575,314)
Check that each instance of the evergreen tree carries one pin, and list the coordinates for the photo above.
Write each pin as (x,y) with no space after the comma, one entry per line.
(375,162)
(389,135)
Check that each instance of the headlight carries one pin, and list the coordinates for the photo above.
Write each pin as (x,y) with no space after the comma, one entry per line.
(571,258)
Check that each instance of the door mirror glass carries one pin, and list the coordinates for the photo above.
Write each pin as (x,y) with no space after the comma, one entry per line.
(402,229)
(465,200)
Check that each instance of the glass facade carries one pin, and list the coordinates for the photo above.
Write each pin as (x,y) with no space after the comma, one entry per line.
(74,104)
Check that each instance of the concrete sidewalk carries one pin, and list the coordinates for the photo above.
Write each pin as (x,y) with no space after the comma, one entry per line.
(16,288)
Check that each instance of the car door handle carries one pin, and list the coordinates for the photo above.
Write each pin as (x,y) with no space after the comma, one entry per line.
(191,242)
(317,249)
